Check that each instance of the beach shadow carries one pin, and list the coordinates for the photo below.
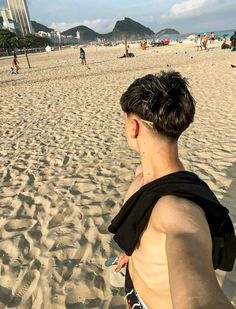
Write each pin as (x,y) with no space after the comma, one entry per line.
(7,298)
(228,200)
(75,306)
(5,295)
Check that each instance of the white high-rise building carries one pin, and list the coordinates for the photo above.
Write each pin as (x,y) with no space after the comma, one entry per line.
(8,22)
(6,14)
(20,14)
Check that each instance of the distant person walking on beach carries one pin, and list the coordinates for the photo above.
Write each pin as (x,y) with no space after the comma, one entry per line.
(199,42)
(205,41)
(212,37)
(15,63)
(82,56)
(167,225)
(233,41)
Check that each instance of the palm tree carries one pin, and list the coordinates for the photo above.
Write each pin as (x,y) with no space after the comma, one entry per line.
(33,41)
(8,40)
(14,42)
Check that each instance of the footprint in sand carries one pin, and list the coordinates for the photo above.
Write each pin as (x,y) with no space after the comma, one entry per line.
(18,225)
(25,289)
(57,220)
(76,296)
(35,232)
(8,252)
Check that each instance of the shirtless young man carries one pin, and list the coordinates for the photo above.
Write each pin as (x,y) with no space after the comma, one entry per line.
(171,264)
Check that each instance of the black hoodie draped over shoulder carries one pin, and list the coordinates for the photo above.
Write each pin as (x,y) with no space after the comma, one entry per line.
(133,217)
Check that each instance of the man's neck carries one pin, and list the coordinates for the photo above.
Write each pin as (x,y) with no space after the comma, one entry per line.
(159,159)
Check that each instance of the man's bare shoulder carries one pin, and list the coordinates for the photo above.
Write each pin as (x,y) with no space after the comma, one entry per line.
(136,183)
(188,248)
(178,215)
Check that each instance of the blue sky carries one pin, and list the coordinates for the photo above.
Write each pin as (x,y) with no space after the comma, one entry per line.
(184,15)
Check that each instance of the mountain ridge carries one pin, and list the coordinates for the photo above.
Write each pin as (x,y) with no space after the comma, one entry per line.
(40,27)
(123,28)
(126,28)
(167,31)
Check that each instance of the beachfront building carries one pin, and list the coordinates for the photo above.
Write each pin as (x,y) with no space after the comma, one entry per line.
(8,22)
(6,14)
(54,36)
(78,35)
(60,39)
(57,38)
(20,14)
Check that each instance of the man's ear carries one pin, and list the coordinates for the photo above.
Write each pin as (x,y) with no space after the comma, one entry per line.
(135,128)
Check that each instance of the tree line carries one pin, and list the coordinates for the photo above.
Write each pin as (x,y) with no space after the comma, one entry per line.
(9,41)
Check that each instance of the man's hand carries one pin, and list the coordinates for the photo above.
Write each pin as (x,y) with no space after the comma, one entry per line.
(122,262)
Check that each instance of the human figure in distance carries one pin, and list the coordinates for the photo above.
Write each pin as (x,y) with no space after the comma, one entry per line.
(212,37)
(205,41)
(166,241)
(127,55)
(15,63)
(82,56)
(233,41)
(199,42)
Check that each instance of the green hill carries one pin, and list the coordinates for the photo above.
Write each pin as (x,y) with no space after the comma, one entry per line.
(86,34)
(131,29)
(167,31)
(39,27)
(123,28)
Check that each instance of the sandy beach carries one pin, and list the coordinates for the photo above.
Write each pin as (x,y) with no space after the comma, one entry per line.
(65,165)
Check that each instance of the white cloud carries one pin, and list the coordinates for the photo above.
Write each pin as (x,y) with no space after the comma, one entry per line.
(62,26)
(190,8)
(199,15)
(98,25)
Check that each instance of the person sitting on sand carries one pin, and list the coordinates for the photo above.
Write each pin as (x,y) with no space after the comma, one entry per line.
(225,45)
(233,41)
(15,63)
(162,227)
(127,55)
(82,56)
(199,42)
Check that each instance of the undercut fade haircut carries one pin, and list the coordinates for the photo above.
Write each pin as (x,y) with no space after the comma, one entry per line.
(163,100)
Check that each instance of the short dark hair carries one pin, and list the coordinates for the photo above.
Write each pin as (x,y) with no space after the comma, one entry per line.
(164,100)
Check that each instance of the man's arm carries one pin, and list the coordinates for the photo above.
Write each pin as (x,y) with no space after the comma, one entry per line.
(134,186)
(193,282)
